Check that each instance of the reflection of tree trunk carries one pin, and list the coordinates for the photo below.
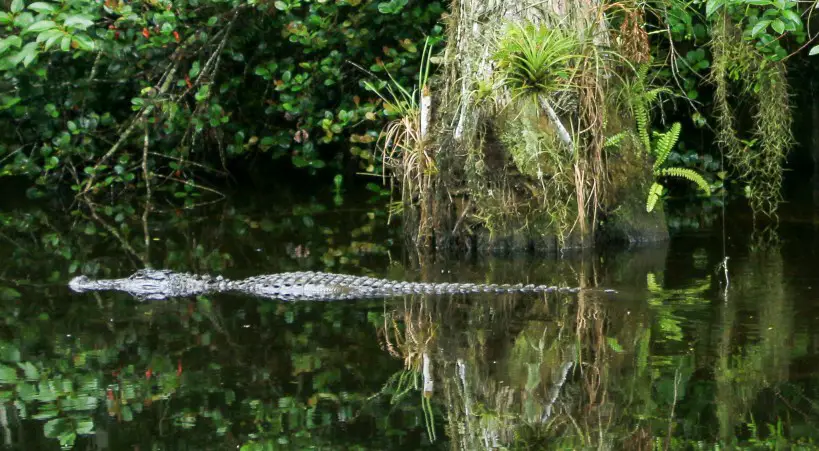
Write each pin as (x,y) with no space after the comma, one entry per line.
(742,376)
(815,145)
(4,422)
(555,390)
(101,438)
(726,411)
(426,372)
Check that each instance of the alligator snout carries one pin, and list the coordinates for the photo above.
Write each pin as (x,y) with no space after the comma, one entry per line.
(80,284)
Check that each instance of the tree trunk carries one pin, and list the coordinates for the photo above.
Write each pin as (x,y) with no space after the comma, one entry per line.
(514,174)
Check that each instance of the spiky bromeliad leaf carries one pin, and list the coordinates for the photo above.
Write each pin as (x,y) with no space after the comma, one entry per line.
(654,194)
(665,143)
(688,174)
(536,59)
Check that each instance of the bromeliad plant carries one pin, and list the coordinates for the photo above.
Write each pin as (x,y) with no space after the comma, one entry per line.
(536,62)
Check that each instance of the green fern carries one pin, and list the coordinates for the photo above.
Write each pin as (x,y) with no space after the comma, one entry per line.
(615,140)
(641,116)
(665,143)
(688,174)
(654,194)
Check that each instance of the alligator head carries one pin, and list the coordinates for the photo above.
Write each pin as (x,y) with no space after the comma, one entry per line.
(81,284)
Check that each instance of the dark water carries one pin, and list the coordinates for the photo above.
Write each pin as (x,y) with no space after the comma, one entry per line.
(677,360)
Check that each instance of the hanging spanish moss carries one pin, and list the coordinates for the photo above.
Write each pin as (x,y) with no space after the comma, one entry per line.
(759,158)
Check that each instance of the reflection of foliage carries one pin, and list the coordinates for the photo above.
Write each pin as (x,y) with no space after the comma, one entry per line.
(192,364)
(664,302)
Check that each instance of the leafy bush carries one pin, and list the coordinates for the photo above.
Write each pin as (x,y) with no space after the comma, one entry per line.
(114,94)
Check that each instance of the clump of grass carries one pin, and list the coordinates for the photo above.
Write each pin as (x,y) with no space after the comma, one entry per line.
(402,141)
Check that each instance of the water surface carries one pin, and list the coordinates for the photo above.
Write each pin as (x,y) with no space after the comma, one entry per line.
(685,356)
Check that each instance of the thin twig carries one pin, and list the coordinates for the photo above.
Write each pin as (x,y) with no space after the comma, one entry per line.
(146,143)
(168,77)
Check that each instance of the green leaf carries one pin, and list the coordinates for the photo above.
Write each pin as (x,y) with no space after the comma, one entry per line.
(760,27)
(299,162)
(712,6)
(8,375)
(814,50)
(42,7)
(13,41)
(9,352)
(26,55)
(792,17)
(80,21)
(53,36)
(261,71)
(280,5)
(203,93)
(84,42)
(654,194)
(85,426)
(8,294)
(16,6)
(688,174)
(27,392)
(30,371)
(55,427)
(614,344)
(778,26)
(42,25)
(49,35)
(65,43)
(194,69)
(127,414)
(5,18)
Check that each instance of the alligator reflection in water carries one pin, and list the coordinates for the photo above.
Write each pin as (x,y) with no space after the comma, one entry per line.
(152,284)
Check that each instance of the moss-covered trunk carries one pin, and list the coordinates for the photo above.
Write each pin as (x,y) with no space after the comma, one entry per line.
(527,95)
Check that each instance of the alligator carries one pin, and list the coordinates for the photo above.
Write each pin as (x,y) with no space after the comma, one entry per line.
(151,284)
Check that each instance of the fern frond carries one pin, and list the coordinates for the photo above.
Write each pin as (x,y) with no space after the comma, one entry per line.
(615,140)
(654,194)
(688,174)
(664,145)
(651,96)
(651,283)
(642,73)
(641,116)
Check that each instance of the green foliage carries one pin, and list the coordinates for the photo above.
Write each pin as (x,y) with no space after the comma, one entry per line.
(536,60)
(116,95)
(759,158)
(663,144)
(687,174)
(654,194)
